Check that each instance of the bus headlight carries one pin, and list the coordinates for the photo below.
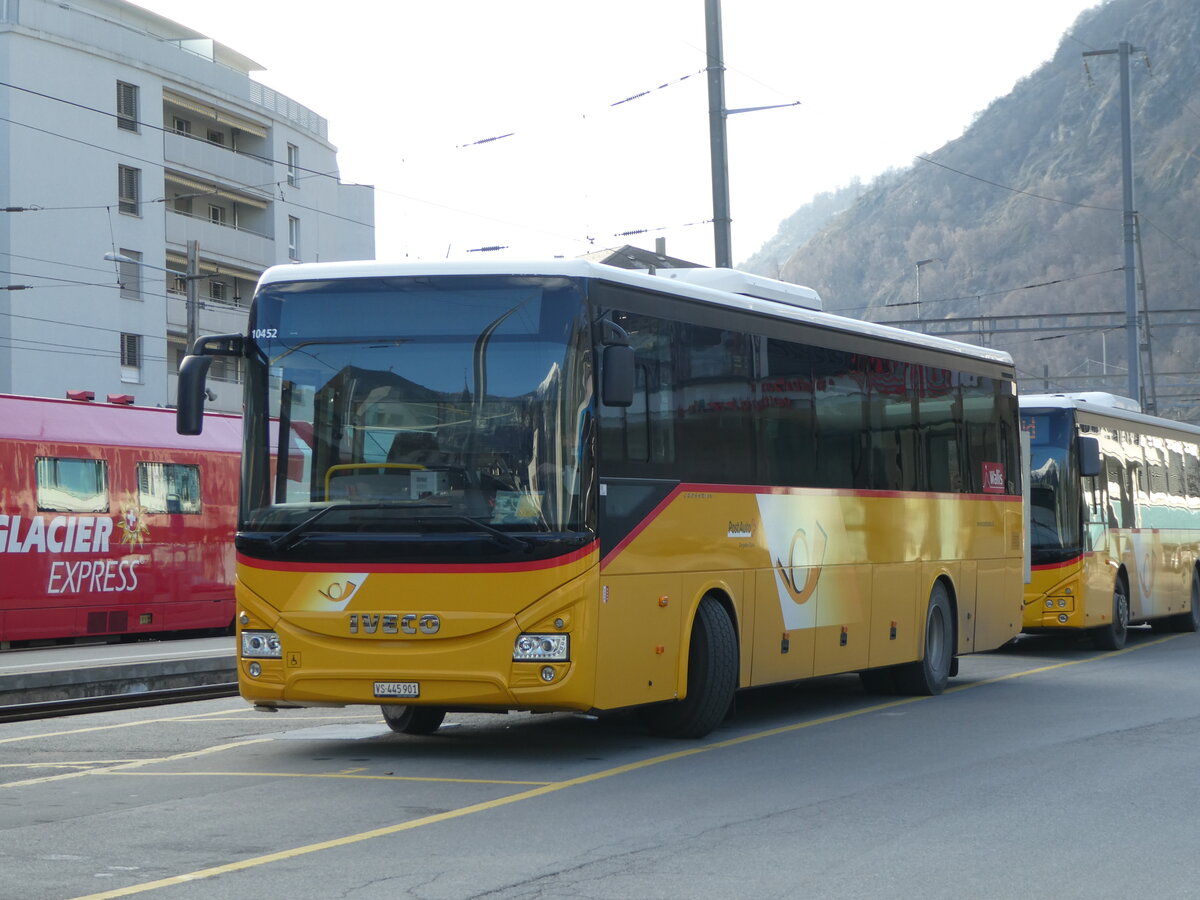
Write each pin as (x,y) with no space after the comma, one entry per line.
(261,645)
(542,648)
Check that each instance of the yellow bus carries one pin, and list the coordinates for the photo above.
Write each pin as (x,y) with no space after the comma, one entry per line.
(568,486)
(1114,518)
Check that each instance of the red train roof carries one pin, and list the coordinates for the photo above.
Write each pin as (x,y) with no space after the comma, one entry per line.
(83,422)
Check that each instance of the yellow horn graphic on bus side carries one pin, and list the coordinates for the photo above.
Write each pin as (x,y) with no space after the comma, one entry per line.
(813,558)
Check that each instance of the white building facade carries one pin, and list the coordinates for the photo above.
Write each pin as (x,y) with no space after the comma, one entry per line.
(134,151)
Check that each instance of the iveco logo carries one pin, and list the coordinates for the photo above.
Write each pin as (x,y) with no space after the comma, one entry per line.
(394,623)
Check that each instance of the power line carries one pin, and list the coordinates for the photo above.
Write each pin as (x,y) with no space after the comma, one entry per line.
(975,296)
(160,128)
(1006,187)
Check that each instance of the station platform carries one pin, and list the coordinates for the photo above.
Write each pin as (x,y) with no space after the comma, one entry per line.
(79,671)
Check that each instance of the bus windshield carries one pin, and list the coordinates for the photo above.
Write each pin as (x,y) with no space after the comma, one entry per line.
(1054,513)
(381,411)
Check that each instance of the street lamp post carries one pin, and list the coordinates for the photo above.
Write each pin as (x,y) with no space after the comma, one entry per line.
(190,277)
(920,264)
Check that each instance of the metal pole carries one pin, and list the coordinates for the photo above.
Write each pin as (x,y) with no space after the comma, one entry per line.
(191,278)
(1131,310)
(723,251)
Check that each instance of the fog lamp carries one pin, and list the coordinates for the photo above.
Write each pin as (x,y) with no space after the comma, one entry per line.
(548,673)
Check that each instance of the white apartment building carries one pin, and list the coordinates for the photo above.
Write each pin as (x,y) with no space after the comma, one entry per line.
(134,150)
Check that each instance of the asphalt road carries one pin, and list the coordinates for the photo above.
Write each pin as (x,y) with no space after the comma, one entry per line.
(1049,769)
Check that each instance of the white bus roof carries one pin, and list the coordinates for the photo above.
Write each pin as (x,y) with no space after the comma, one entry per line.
(580,268)
(1113,405)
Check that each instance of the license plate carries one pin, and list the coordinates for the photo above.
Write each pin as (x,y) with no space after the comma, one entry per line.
(397,689)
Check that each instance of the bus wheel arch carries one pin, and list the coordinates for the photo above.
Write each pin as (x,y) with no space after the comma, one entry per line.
(711,670)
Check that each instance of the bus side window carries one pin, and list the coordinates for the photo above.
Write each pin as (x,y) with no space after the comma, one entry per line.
(1120,500)
(640,438)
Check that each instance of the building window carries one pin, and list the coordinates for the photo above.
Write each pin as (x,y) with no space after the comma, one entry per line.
(131,358)
(293,165)
(216,137)
(293,237)
(216,214)
(226,368)
(127,106)
(176,351)
(130,274)
(129,189)
(181,126)
(218,291)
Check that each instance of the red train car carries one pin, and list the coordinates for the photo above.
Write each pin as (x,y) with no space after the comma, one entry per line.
(111,523)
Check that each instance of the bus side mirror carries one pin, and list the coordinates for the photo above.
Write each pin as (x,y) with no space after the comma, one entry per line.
(617,370)
(189,402)
(193,372)
(1088,452)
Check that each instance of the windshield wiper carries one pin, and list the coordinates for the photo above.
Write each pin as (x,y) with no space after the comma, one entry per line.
(292,536)
(502,537)
(289,538)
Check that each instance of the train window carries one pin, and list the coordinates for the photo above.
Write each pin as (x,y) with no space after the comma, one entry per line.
(168,487)
(72,485)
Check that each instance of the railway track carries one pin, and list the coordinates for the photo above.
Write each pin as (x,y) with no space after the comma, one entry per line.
(21,712)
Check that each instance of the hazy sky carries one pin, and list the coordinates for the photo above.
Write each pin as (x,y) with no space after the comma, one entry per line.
(407,86)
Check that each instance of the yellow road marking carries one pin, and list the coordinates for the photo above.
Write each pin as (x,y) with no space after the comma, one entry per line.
(555,786)
(201,718)
(64,764)
(105,770)
(342,775)
(92,728)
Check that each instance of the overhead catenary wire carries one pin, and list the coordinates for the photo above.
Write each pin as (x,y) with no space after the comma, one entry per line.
(585,241)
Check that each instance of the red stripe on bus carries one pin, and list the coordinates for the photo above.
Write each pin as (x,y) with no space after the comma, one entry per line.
(849,492)
(1046,567)
(409,568)
(650,517)
(775,491)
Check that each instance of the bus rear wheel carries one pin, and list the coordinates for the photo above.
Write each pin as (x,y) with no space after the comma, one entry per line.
(1113,635)
(711,679)
(412,719)
(928,675)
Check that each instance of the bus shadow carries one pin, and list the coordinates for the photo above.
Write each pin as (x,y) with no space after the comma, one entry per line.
(1061,646)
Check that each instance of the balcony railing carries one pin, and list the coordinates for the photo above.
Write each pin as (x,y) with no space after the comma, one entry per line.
(217,160)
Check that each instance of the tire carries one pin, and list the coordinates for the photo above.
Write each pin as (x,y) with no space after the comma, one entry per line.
(928,675)
(1114,635)
(1184,622)
(711,679)
(412,719)
(878,681)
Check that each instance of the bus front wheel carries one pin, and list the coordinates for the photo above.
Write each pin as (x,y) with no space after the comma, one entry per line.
(928,675)
(711,678)
(412,719)
(1113,635)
